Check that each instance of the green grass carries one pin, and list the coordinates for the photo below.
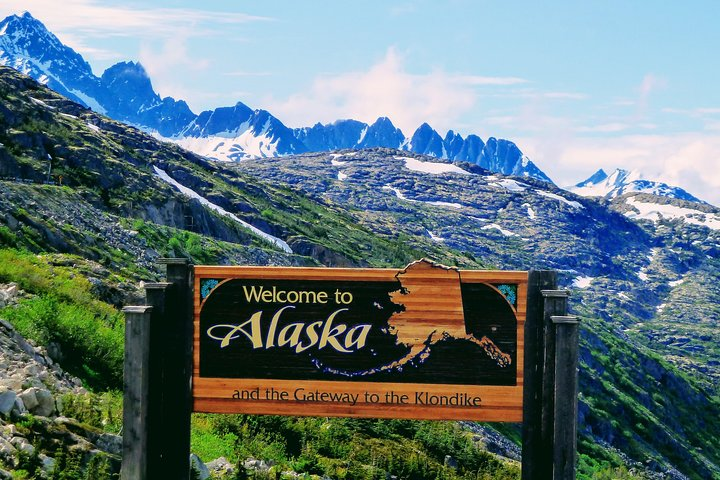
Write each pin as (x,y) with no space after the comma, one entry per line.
(349,448)
(63,310)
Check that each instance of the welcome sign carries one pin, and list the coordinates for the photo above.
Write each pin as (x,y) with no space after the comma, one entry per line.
(425,342)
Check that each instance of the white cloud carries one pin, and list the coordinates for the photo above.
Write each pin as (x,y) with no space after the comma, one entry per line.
(712,126)
(88,18)
(604,128)
(480,80)
(387,89)
(162,65)
(79,23)
(565,95)
(82,46)
(649,84)
(243,73)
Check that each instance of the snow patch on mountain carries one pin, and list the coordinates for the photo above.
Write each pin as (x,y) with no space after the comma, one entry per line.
(511,185)
(656,212)
(495,226)
(436,203)
(434,237)
(397,192)
(88,100)
(193,194)
(245,145)
(37,101)
(441,204)
(582,282)
(554,196)
(530,212)
(434,168)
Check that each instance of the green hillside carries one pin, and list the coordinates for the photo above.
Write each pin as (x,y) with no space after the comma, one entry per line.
(84,215)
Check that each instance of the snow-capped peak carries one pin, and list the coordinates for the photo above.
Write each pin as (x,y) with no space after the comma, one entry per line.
(622,181)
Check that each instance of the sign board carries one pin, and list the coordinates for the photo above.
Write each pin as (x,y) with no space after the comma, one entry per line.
(424,342)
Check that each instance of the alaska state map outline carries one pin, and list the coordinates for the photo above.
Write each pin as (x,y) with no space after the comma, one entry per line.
(410,325)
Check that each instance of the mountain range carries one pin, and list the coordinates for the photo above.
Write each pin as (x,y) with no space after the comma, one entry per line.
(642,268)
(124,92)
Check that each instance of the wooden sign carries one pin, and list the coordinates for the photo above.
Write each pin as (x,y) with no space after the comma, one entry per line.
(425,342)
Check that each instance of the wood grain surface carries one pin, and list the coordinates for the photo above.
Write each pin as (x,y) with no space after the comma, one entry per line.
(437,302)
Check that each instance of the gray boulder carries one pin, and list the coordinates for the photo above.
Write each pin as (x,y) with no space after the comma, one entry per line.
(199,466)
(29,399)
(46,403)
(221,467)
(7,401)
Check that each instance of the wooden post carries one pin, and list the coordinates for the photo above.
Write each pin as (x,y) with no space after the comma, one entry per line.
(156,297)
(535,449)
(135,397)
(566,393)
(555,304)
(177,369)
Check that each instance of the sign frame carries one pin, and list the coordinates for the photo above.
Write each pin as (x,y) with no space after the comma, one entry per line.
(492,403)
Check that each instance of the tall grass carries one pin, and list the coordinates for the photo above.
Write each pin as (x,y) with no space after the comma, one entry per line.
(62,310)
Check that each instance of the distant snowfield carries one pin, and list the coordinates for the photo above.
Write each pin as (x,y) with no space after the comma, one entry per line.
(530,212)
(229,148)
(582,282)
(37,101)
(434,168)
(572,203)
(400,195)
(434,237)
(188,192)
(657,212)
(495,226)
(511,185)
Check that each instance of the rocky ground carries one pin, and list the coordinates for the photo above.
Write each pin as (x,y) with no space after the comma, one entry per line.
(32,386)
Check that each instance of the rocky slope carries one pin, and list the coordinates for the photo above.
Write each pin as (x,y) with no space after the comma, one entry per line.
(120,198)
(31,382)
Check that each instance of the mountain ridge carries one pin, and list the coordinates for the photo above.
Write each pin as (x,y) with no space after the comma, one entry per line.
(124,92)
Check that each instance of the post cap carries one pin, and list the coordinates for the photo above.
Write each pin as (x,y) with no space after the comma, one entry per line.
(173,261)
(555,293)
(156,285)
(571,319)
(137,309)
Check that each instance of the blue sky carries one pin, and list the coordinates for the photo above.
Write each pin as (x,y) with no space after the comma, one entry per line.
(577,85)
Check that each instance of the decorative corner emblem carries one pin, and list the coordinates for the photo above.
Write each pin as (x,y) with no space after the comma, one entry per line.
(509,290)
(206,286)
